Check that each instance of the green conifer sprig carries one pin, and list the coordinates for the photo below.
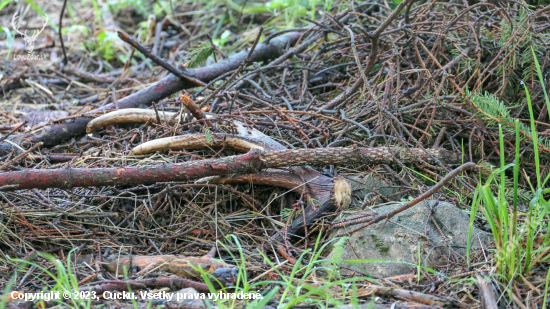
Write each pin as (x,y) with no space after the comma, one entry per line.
(495,111)
(200,54)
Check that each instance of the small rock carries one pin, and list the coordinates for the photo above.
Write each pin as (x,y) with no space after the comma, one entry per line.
(400,238)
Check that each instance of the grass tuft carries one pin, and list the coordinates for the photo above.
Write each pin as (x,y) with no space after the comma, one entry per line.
(520,244)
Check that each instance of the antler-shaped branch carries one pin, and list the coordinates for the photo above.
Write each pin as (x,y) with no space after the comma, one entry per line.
(24,34)
(36,33)
(13,23)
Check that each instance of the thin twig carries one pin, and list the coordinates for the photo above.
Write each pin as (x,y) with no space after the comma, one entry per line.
(239,69)
(123,36)
(19,157)
(12,131)
(61,32)
(408,205)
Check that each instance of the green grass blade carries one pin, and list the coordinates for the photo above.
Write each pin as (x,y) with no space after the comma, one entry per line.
(539,73)
(263,302)
(3,3)
(7,290)
(43,14)
(534,135)
(9,40)
(531,225)
(545,290)
(516,178)
(503,207)
(293,273)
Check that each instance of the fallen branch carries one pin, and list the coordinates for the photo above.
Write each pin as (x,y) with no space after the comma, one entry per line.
(251,162)
(165,87)
(322,195)
(123,36)
(414,296)
(333,195)
(129,115)
(244,140)
(239,69)
(196,141)
(330,194)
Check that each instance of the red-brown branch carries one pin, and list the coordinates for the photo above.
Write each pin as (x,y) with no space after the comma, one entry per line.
(252,162)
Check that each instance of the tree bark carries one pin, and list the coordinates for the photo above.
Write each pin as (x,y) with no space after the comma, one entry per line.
(250,163)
